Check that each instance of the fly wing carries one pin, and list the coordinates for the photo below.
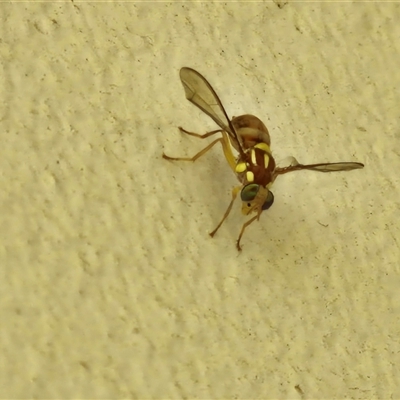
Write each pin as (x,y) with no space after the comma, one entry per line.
(331,167)
(200,93)
(294,165)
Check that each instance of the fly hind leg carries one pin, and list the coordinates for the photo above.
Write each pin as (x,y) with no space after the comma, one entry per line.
(200,153)
(224,142)
(196,156)
(206,135)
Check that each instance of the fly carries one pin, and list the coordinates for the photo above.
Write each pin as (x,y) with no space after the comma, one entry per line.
(254,165)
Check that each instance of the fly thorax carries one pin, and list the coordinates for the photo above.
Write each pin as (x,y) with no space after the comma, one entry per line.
(257,166)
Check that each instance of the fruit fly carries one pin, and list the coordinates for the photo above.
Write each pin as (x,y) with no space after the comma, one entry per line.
(254,165)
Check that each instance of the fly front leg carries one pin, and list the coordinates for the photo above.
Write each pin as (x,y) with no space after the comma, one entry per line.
(235,192)
(245,225)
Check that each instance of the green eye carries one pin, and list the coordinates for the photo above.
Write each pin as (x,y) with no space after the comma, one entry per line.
(249,192)
(269,201)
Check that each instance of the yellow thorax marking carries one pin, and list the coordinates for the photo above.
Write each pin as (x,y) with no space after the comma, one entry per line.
(253,157)
(241,167)
(266,159)
(249,176)
(263,146)
(267,152)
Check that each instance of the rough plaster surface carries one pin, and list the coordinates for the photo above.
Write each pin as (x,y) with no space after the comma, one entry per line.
(110,284)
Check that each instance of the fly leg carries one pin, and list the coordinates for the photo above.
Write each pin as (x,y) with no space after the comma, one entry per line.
(245,225)
(225,147)
(235,191)
(196,156)
(200,153)
(206,135)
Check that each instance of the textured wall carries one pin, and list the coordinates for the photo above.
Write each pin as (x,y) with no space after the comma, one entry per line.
(110,284)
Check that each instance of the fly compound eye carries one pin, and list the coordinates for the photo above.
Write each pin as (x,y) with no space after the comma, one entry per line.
(269,201)
(249,192)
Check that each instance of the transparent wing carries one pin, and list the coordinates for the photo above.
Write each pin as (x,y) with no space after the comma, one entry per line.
(200,93)
(331,167)
(322,167)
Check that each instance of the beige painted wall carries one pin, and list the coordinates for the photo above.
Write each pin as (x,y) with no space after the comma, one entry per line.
(110,284)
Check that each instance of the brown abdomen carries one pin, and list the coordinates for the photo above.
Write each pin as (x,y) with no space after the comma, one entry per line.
(251,130)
